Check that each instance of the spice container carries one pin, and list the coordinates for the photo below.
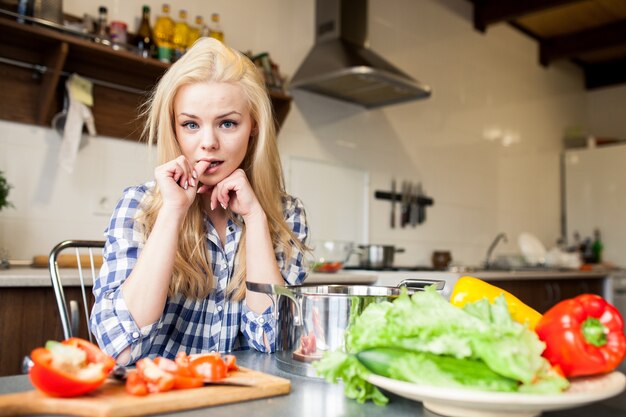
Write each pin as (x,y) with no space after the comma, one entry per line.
(118,32)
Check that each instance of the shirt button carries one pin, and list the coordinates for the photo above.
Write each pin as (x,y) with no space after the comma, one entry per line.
(230,229)
(219,308)
(135,335)
(261,320)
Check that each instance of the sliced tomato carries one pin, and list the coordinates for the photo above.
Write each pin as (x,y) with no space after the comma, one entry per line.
(185,382)
(156,378)
(135,385)
(166,364)
(231,363)
(54,377)
(210,366)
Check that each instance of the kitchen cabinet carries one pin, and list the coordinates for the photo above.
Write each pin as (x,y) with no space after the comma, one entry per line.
(541,294)
(28,319)
(34,96)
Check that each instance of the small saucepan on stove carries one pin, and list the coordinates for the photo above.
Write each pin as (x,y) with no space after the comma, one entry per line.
(377,256)
(313,319)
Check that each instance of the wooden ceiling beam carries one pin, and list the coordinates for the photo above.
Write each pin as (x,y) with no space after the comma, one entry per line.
(575,44)
(605,74)
(487,12)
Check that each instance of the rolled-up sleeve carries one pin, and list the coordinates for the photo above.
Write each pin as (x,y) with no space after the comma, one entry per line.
(259,328)
(111,321)
(293,269)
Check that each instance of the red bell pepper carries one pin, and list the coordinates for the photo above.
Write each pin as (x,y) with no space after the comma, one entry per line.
(69,368)
(584,335)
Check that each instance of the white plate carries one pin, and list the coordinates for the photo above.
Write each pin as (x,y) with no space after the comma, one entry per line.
(533,250)
(456,402)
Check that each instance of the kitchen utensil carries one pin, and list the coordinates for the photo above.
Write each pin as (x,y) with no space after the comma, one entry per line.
(120,373)
(112,400)
(414,205)
(421,210)
(393,203)
(330,255)
(377,256)
(406,192)
(531,247)
(311,319)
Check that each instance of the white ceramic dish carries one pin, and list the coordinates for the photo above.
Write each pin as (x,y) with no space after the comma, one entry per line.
(532,249)
(455,402)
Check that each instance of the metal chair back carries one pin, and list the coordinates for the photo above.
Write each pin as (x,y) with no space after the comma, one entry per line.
(69,312)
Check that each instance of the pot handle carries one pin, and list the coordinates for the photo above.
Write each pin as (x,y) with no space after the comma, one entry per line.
(420,284)
(273,289)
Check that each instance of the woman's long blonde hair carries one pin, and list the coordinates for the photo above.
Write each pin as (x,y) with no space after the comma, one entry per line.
(211,61)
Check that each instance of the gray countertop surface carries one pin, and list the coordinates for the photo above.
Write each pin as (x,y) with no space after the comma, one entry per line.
(40,277)
(314,398)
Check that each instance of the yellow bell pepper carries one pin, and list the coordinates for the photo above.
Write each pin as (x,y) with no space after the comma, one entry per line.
(470,289)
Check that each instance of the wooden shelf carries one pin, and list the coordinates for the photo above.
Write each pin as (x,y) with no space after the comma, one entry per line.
(32,97)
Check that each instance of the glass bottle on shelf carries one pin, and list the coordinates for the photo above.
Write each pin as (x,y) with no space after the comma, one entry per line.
(215,28)
(181,33)
(103,17)
(164,33)
(597,247)
(145,38)
(195,31)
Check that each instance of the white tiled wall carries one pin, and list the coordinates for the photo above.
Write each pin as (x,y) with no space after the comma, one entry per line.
(484,85)
(52,205)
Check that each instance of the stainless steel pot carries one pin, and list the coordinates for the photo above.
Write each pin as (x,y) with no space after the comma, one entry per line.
(313,319)
(377,256)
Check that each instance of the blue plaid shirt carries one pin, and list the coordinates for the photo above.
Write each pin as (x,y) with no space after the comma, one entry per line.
(214,323)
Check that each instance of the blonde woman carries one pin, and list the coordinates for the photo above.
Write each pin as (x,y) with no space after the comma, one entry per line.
(180,249)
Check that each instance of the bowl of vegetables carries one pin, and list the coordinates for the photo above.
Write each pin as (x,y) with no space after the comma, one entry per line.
(330,255)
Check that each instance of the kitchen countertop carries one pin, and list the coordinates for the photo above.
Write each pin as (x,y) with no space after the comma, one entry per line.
(313,397)
(40,277)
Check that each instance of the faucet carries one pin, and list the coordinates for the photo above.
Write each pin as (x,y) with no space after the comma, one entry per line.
(499,236)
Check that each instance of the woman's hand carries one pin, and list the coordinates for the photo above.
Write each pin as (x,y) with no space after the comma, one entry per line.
(177,182)
(235,192)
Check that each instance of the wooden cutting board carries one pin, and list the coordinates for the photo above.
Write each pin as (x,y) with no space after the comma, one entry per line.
(67,261)
(111,400)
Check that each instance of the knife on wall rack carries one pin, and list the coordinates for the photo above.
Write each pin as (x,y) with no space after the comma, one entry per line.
(393,204)
(421,200)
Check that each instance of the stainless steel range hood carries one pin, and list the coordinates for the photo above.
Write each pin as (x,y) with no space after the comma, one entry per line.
(340,65)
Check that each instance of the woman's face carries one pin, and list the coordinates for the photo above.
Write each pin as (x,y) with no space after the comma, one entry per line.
(213,124)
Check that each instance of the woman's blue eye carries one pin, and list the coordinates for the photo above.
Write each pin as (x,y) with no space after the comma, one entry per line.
(228,124)
(190,125)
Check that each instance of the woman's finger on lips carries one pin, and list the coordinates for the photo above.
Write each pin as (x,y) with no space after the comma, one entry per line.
(190,173)
(198,169)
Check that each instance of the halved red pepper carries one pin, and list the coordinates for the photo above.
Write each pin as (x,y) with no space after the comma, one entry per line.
(584,335)
(63,372)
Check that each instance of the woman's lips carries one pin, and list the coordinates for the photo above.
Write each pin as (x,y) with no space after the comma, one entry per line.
(207,167)
(213,167)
